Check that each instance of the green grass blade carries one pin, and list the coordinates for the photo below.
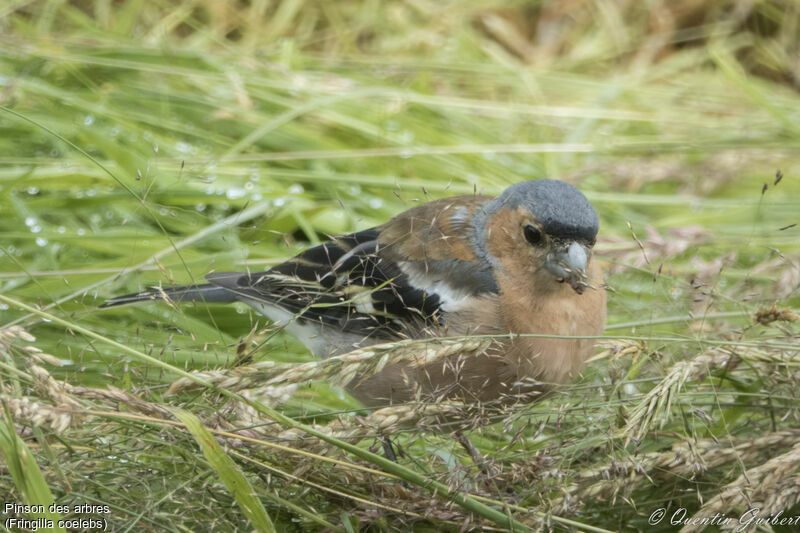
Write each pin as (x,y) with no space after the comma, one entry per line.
(27,475)
(228,472)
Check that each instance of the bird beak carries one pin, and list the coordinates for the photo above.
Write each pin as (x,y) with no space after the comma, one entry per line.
(569,265)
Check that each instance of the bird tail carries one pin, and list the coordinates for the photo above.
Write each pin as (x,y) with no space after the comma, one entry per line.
(188,293)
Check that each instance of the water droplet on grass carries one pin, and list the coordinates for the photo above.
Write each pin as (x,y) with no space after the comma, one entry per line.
(235,192)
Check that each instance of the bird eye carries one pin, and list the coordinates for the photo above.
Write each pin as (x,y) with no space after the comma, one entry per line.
(533,235)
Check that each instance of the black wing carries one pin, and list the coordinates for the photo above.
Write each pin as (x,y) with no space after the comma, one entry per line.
(346,283)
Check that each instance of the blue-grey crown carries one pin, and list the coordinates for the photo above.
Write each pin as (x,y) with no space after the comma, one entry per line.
(561,209)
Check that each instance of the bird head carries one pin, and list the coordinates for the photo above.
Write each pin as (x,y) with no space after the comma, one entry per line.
(542,228)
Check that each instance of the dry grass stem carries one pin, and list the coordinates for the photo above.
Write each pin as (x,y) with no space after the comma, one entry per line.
(767,315)
(120,396)
(9,334)
(772,487)
(25,411)
(687,459)
(338,370)
(617,348)
(657,403)
(385,421)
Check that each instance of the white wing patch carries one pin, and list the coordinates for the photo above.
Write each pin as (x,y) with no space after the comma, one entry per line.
(309,333)
(451,298)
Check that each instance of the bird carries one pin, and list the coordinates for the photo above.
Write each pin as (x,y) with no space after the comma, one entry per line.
(517,268)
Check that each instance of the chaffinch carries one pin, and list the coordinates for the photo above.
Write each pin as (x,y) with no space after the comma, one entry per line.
(519,263)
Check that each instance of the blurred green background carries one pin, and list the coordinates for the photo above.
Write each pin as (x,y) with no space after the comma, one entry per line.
(146,142)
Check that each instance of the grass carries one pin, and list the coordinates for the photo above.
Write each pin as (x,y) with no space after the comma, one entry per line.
(147,142)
